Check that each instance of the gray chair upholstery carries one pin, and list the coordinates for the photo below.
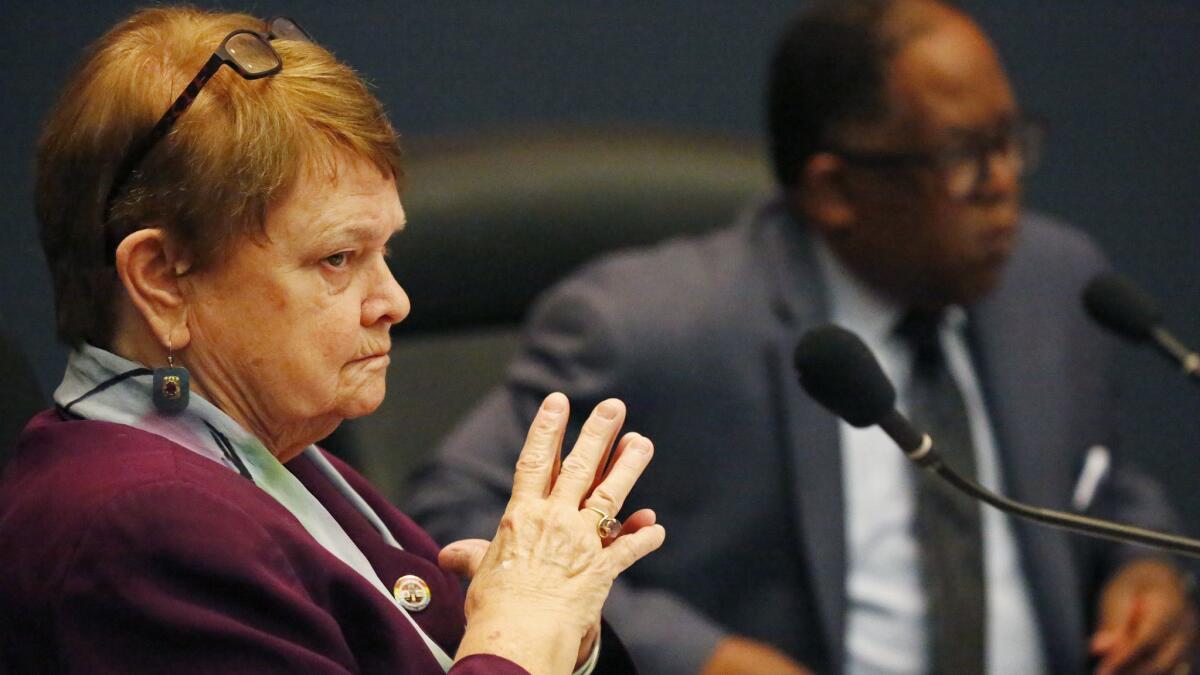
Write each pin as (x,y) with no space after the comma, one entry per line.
(493,221)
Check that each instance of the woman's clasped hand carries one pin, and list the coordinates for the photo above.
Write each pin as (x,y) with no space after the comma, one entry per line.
(544,577)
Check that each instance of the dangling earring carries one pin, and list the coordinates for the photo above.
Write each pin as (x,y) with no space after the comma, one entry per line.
(171,385)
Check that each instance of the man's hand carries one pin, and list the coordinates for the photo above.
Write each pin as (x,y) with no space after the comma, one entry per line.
(1147,622)
(742,656)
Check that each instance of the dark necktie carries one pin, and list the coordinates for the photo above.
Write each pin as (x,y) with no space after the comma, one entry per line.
(948,524)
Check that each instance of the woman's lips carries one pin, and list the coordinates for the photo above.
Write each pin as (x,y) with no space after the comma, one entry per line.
(374,360)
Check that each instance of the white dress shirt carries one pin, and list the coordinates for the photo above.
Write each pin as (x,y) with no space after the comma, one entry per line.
(885,619)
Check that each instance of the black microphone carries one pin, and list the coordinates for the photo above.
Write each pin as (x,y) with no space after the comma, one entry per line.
(841,374)
(1119,305)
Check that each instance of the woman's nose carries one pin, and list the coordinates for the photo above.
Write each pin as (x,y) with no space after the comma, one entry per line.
(387,301)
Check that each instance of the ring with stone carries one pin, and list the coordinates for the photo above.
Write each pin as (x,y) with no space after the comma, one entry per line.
(608,527)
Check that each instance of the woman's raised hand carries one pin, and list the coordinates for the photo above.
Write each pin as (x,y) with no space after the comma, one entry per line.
(539,586)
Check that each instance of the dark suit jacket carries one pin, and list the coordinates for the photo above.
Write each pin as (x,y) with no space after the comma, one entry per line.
(126,553)
(697,337)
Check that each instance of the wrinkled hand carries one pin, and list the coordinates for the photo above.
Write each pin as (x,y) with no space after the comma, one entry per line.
(463,558)
(1147,622)
(538,587)
(743,656)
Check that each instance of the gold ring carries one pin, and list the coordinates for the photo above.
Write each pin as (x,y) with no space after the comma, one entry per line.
(608,527)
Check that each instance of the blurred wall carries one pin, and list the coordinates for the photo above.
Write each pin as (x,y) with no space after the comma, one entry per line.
(1118,81)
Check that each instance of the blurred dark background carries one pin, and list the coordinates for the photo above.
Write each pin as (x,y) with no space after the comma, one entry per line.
(1118,81)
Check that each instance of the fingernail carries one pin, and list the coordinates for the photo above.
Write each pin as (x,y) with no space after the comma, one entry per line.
(554,404)
(607,410)
(640,444)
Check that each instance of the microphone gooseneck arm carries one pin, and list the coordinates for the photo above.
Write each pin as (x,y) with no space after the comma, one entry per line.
(923,455)
(841,373)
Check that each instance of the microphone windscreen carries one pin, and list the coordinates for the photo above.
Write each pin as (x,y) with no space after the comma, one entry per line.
(1120,306)
(841,373)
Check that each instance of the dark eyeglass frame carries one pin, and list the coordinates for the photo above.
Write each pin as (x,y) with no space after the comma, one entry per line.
(278,28)
(1025,134)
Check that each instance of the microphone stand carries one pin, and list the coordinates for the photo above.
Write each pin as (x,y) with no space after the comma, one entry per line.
(924,457)
(829,357)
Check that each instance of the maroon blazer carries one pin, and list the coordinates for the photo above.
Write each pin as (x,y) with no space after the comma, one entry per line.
(122,552)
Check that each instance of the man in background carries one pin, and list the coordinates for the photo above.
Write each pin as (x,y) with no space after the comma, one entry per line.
(798,543)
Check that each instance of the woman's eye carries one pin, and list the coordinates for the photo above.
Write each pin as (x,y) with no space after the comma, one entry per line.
(337,259)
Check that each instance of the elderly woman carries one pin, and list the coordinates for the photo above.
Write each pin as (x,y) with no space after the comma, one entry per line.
(220,271)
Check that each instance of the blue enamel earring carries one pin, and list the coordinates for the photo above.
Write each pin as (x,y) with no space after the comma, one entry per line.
(171,387)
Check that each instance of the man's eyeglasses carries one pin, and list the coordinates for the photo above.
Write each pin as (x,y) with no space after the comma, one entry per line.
(249,53)
(967,164)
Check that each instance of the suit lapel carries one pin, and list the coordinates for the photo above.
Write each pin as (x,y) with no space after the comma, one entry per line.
(1017,364)
(809,434)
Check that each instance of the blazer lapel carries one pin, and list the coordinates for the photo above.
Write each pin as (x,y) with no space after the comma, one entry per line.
(808,433)
(1017,368)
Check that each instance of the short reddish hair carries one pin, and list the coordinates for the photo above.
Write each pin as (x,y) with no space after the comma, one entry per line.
(207,183)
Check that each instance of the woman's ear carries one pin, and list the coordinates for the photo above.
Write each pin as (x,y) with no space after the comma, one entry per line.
(151,268)
(821,194)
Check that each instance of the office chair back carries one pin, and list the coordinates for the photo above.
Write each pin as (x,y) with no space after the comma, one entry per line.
(495,220)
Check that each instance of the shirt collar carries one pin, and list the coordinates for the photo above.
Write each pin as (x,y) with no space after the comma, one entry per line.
(100,385)
(864,310)
(852,303)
